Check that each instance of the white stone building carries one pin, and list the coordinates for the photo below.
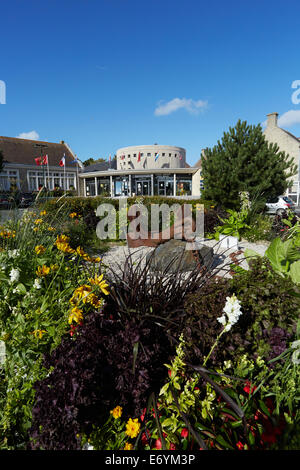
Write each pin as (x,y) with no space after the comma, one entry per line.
(288,143)
(143,170)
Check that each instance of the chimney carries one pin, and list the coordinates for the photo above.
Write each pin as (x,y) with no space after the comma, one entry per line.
(272,120)
(62,141)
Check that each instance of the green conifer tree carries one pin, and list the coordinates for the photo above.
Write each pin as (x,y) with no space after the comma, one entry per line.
(244,161)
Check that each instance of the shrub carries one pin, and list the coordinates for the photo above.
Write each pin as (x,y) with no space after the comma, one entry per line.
(108,362)
(38,276)
(261,228)
(269,305)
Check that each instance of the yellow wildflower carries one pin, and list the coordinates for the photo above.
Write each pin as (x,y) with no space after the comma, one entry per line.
(64,247)
(80,251)
(40,249)
(132,427)
(117,412)
(43,271)
(62,239)
(38,333)
(38,221)
(94,260)
(43,213)
(54,267)
(75,315)
(81,293)
(128,446)
(98,281)
(35,229)
(51,229)
(93,300)
(72,215)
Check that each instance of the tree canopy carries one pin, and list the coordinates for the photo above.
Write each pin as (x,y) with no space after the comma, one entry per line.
(245,161)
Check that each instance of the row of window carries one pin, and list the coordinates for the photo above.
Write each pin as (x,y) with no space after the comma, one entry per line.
(149,154)
(36,179)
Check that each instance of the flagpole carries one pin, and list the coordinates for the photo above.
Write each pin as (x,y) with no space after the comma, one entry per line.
(65,186)
(48,173)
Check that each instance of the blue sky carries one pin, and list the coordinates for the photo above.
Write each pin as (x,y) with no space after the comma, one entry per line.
(103,74)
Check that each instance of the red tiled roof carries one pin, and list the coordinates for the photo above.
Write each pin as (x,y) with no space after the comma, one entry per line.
(24,151)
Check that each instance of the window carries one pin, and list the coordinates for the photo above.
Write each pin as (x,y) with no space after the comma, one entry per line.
(134,154)
(148,154)
(163,154)
(170,155)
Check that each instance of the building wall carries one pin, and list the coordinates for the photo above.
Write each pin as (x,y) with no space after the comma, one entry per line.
(285,141)
(196,183)
(169,157)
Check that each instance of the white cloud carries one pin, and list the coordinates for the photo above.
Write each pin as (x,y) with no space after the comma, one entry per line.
(289,119)
(32,135)
(192,106)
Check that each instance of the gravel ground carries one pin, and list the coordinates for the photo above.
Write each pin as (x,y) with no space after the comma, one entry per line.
(115,258)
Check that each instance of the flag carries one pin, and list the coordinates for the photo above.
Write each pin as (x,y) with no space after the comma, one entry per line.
(156,157)
(38,161)
(76,160)
(45,160)
(139,157)
(63,161)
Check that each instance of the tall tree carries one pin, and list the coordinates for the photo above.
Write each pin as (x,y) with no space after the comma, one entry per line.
(244,161)
(91,160)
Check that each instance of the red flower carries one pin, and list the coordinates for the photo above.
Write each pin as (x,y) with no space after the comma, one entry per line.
(172,446)
(142,417)
(144,439)
(158,444)
(239,445)
(184,433)
(248,388)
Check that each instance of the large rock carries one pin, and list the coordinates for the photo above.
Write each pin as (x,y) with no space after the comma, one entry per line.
(178,255)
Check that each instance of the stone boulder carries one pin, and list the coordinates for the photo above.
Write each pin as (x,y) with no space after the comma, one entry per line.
(179,255)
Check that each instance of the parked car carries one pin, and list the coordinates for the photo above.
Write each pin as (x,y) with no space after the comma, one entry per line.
(277,205)
(26,199)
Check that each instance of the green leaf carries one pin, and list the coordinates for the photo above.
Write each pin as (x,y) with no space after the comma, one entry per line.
(249,253)
(275,254)
(220,439)
(21,288)
(295,272)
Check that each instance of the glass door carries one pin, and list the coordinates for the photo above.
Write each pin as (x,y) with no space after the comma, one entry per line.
(161,188)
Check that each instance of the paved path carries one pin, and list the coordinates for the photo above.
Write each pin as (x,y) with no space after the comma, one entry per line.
(115,258)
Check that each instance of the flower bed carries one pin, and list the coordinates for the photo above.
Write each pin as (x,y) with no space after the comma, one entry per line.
(142,362)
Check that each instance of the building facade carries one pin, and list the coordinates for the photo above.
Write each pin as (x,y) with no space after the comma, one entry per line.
(288,143)
(21,171)
(145,170)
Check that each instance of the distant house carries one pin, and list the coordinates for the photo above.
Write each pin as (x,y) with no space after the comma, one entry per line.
(21,171)
(286,142)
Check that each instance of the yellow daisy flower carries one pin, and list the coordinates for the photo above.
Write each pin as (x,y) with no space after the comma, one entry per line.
(98,281)
(75,315)
(117,412)
(42,271)
(38,333)
(132,427)
(40,249)
(128,446)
